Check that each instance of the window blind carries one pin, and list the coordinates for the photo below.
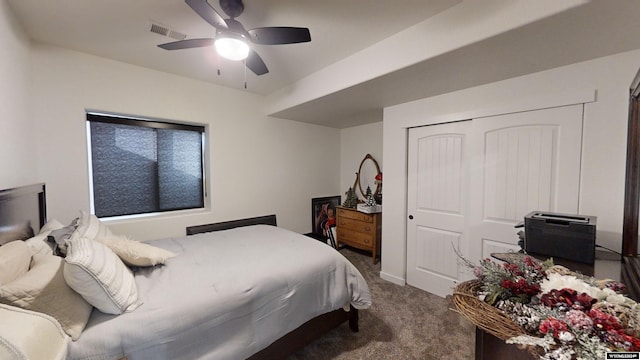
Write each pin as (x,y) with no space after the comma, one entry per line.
(141,166)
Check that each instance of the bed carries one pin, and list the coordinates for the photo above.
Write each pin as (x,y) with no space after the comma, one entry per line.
(235,290)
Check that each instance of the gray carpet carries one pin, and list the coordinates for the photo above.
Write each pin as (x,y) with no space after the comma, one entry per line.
(403,323)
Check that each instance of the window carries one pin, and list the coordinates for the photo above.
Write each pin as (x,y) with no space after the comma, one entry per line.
(140,166)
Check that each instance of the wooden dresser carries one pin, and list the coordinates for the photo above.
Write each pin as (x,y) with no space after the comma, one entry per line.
(360,230)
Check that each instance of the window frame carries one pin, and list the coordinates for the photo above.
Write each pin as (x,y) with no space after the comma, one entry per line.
(155,123)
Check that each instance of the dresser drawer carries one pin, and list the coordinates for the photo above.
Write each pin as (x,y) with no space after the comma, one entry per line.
(356,238)
(355,225)
(359,230)
(356,215)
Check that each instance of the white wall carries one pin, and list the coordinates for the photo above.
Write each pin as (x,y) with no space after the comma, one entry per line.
(355,143)
(17,149)
(258,165)
(604,141)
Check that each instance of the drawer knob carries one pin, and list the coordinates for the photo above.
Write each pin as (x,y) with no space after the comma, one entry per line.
(410,217)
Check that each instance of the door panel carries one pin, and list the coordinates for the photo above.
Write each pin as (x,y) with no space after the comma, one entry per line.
(438,157)
(524,162)
(432,242)
(517,169)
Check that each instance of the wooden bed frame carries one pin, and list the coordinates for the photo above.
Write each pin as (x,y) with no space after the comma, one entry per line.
(307,332)
(27,204)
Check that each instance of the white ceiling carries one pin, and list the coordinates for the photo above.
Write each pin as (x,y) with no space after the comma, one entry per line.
(120,30)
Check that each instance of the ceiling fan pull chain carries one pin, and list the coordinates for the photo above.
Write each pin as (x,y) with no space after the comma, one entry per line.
(218,65)
(244,62)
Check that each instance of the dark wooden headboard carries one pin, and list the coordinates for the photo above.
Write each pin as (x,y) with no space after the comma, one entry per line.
(225,225)
(23,206)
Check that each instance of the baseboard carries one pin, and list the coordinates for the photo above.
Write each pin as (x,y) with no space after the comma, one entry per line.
(393,279)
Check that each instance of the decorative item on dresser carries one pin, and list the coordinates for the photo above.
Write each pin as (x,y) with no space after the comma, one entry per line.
(360,230)
(369,176)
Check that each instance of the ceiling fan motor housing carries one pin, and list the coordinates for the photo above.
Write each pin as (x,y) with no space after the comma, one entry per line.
(233,8)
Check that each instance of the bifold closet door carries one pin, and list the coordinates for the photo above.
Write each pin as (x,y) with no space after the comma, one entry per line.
(471,182)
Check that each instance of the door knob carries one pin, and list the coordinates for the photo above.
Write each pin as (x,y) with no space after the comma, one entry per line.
(410,217)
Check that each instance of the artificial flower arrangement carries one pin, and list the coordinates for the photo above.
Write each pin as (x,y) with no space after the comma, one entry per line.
(561,314)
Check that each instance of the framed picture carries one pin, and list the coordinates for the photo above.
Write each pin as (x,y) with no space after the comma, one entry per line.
(323,215)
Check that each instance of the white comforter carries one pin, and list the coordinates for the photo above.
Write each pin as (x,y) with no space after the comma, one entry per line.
(227,295)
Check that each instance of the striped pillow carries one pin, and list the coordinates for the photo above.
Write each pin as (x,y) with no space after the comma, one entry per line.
(97,273)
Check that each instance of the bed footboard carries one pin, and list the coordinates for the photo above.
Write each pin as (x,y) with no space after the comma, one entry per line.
(307,333)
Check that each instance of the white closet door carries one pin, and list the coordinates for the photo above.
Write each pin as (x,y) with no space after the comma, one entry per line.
(437,204)
(522,162)
(470,182)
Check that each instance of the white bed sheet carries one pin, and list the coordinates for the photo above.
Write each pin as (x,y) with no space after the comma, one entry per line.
(227,295)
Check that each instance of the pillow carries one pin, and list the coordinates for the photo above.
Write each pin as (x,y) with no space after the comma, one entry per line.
(39,244)
(132,252)
(96,273)
(51,225)
(15,258)
(91,227)
(43,289)
(135,253)
(30,335)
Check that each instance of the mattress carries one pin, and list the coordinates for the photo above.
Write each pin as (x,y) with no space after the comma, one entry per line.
(227,295)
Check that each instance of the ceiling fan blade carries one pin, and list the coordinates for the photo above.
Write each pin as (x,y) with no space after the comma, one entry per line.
(236,27)
(207,12)
(279,35)
(254,63)
(187,44)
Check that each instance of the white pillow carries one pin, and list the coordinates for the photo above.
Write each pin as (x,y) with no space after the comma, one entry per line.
(31,335)
(96,273)
(130,251)
(51,225)
(135,253)
(15,259)
(91,227)
(38,244)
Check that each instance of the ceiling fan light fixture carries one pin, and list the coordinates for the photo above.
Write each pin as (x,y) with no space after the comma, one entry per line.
(232,48)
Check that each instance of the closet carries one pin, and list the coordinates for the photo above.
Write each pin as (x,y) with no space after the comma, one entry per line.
(470,182)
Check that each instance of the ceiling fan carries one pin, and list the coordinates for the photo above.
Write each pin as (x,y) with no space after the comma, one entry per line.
(233,33)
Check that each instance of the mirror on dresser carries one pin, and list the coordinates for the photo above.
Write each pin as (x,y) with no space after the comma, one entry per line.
(369,175)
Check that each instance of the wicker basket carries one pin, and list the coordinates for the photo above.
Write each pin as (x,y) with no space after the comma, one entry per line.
(488,318)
